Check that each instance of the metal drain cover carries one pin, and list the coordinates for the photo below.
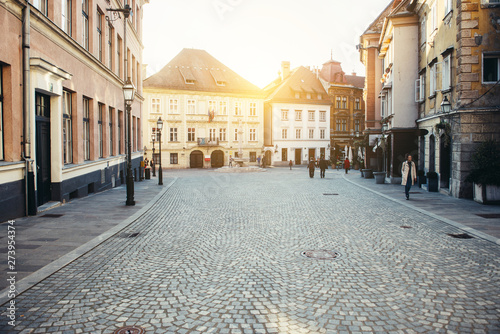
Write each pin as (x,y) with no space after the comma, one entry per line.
(130,330)
(321,254)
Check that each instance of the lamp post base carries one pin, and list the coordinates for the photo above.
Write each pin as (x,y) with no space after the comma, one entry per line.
(160,176)
(130,190)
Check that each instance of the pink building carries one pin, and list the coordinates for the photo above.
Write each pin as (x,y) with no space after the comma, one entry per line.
(62,68)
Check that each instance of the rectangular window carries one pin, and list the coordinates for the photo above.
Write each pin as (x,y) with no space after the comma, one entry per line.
(223,108)
(85,24)
(253,156)
(191,107)
(338,124)
(212,106)
(357,103)
(284,154)
(253,135)
(41,5)
(99,129)
(173,106)
(66,18)
(432,80)
(420,88)
(120,134)
(155,106)
(311,133)
(298,133)
(491,68)
(100,37)
(110,46)
(344,102)
(154,134)
(213,134)
(191,134)
(356,125)
(310,115)
(119,57)
(322,133)
(173,134)
(298,115)
(284,133)
(253,109)
(67,128)
(446,73)
(337,102)
(344,125)
(237,108)
(322,116)
(174,159)
(86,128)
(235,134)
(110,130)
(222,134)
(284,115)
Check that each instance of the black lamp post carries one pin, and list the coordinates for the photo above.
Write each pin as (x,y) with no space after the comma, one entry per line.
(128,93)
(159,125)
(446,105)
(153,136)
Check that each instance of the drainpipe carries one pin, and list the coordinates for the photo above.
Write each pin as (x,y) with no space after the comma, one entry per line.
(30,207)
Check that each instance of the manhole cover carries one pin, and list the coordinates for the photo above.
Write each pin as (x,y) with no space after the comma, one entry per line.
(129,235)
(130,330)
(488,215)
(322,254)
(331,194)
(460,235)
(404,226)
(52,215)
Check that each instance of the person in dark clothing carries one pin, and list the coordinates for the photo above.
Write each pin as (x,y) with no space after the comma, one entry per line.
(323,165)
(290,164)
(347,165)
(311,166)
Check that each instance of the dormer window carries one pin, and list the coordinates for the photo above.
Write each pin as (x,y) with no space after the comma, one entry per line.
(219,77)
(188,75)
(297,95)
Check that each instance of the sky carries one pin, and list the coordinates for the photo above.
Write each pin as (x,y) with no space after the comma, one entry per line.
(253,37)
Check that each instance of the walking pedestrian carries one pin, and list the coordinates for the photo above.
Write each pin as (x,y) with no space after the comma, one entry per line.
(258,161)
(323,165)
(230,161)
(290,164)
(347,165)
(409,175)
(311,166)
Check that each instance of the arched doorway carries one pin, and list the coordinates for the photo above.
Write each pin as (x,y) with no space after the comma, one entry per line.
(196,159)
(217,159)
(444,161)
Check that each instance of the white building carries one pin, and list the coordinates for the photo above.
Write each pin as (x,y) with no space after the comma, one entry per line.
(298,116)
(206,109)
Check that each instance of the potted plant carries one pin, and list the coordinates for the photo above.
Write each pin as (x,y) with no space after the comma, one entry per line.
(379,177)
(421,179)
(432,181)
(485,174)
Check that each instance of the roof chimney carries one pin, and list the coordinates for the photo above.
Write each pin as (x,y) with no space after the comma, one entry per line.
(285,69)
(353,74)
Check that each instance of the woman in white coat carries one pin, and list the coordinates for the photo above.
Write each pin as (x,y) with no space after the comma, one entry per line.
(409,174)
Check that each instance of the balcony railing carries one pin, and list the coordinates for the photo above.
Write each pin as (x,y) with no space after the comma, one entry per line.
(208,141)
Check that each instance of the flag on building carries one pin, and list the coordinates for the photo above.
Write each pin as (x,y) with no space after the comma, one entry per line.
(211,114)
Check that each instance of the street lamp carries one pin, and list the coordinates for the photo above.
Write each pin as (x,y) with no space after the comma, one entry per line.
(128,94)
(159,125)
(445,105)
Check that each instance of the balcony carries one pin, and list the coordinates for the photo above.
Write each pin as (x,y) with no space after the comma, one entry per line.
(208,141)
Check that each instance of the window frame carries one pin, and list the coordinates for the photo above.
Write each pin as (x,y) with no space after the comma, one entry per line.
(66,16)
(298,133)
(311,115)
(155,105)
(100,129)
(490,55)
(322,116)
(191,134)
(174,158)
(446,73)
(111,111)
(173,135)
(284,133)
(298,115)
(67,127)
(311,133)
(222,134)
(284,115)
(85,25)
(100,36)
(173,106)
(86,128)
(253,109)
(252,134)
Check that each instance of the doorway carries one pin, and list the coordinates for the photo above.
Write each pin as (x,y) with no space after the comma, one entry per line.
(444,161)
(217,159)
(43,180)
(312,154)
(298,156)
(196,159)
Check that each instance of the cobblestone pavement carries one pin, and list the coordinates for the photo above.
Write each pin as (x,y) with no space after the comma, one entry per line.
(222,253)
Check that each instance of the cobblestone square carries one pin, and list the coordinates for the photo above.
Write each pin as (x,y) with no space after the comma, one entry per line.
(224,253)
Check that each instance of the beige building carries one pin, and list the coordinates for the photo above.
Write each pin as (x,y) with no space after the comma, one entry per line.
(208,111)
(62,69)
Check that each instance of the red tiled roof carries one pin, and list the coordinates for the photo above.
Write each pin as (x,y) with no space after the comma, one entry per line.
(356,81)
(197,70)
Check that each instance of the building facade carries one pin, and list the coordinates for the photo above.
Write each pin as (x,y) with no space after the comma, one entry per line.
(208,113)
(62,106)
(398,58)
(347,111)
(298,117)
(459,63)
